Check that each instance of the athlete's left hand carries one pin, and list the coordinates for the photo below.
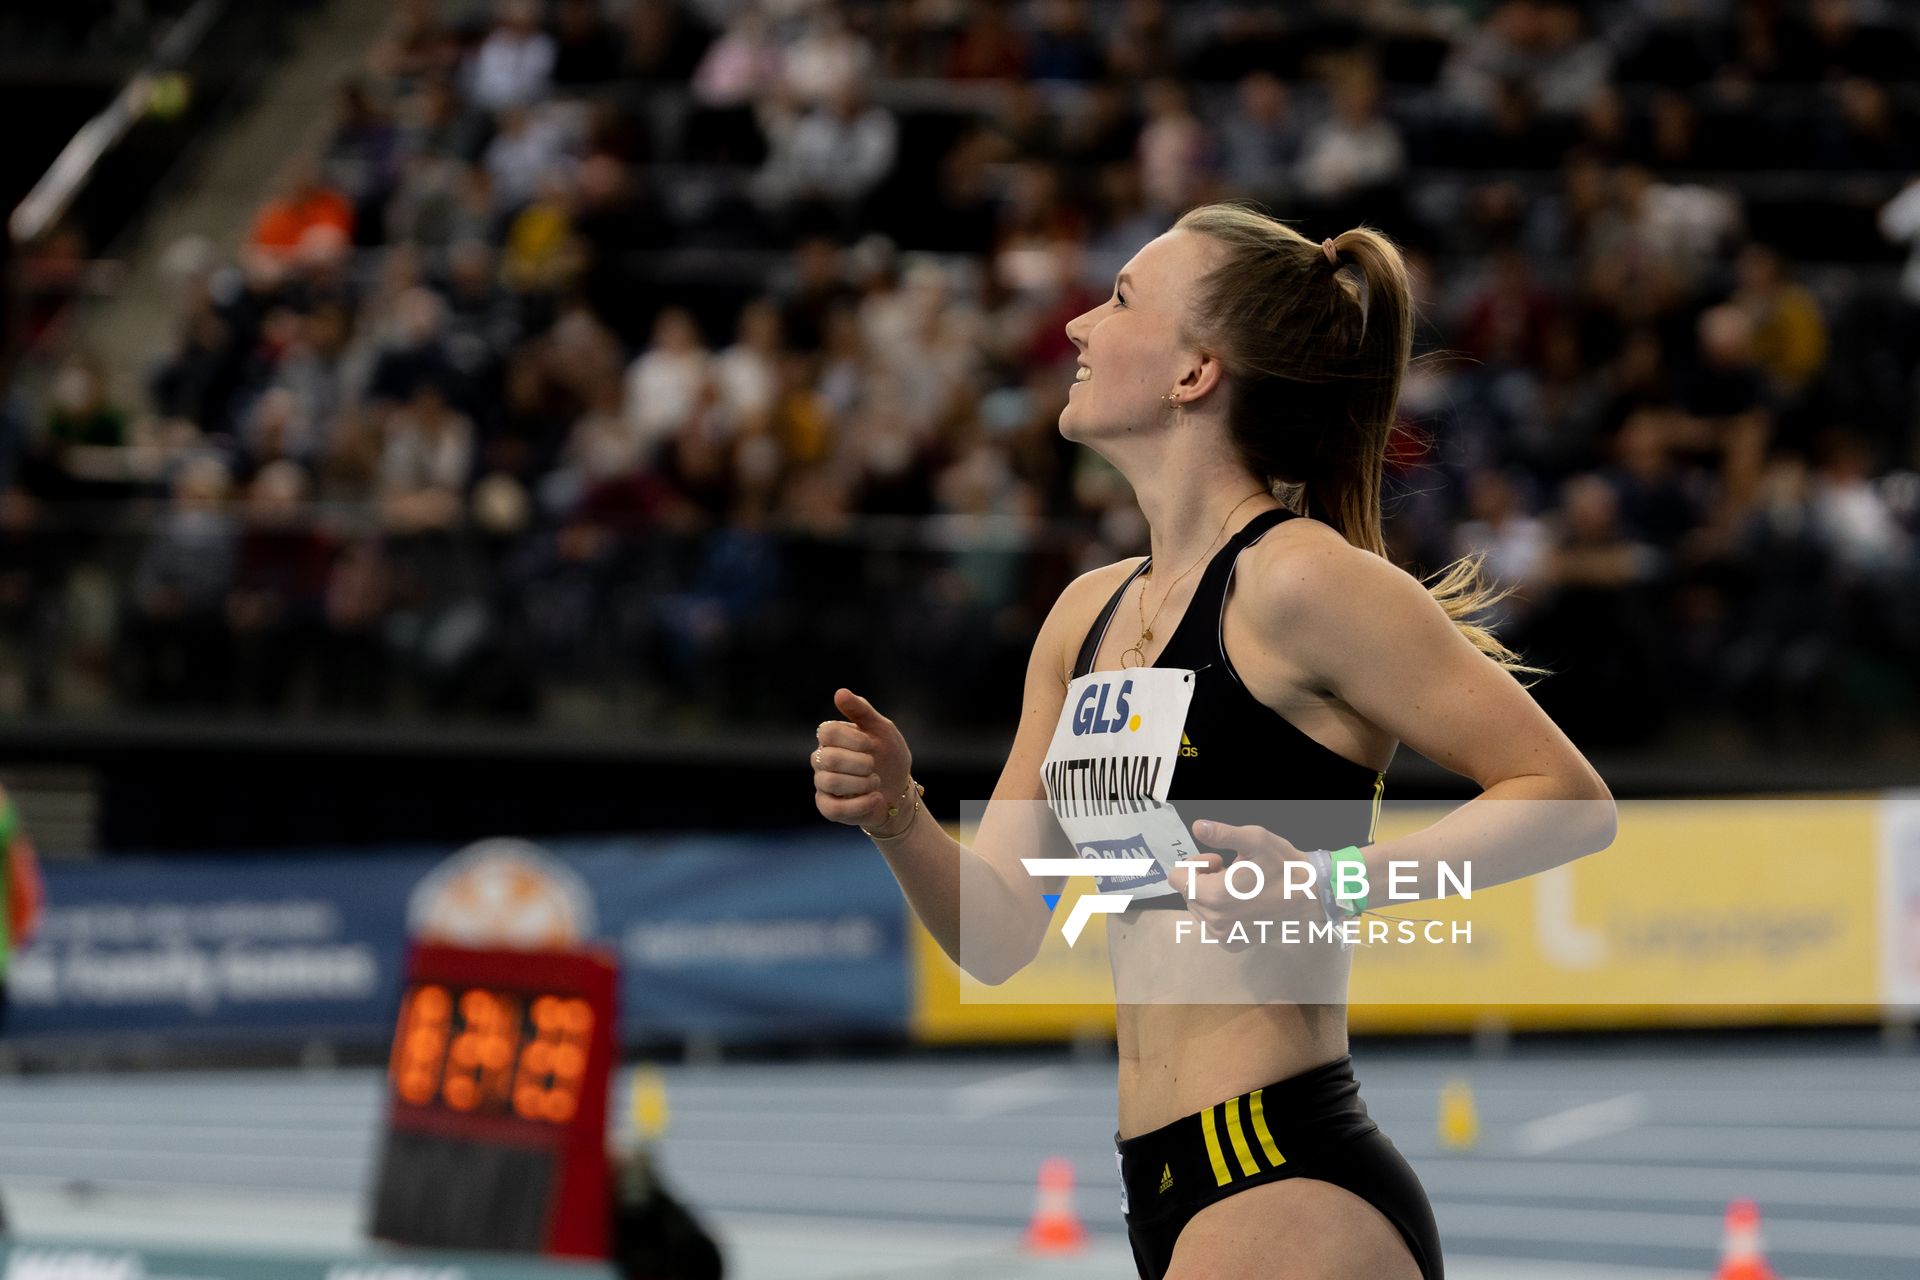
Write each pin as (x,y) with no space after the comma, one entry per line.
(1213,905)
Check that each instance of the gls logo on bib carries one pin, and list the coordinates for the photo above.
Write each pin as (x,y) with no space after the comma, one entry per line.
(1091,715)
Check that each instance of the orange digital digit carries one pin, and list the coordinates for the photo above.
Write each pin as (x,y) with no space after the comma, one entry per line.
(418,1044)
(480,1063)
(547,1086)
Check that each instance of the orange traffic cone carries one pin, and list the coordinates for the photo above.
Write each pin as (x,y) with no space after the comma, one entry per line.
(1741,1255)
(1055,1228)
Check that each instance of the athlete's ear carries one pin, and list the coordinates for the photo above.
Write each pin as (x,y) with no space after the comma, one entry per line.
(1201,375)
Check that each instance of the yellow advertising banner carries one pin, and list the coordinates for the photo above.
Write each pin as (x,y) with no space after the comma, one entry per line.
(1703,912)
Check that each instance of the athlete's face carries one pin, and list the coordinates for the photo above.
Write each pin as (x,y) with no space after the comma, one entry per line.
(1130,345)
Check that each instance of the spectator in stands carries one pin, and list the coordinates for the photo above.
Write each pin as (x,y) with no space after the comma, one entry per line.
(587,47)
(1355,151)
(1843,46)
(279,427)
(1175,149)
(196,382)
(1597,618)
(667,380)
(414,351)
(989,46)
(1660,503)
(1541,43)
(740,64)
(809,286)
(174,634)
(1064,47)
(426,463)
(1141,44)
(664,41)
(362,158)
(1899,222)
(748,372)
(81,412)
(1867,131)
(604,444)
(1727,416)
(1850,512)
(483,319)
(827,60)
(1789,334)
(279,579)
(1259,141)
(1023,126)
(1780,646)
(33,586)
(513,65)
(544,256)
(1102,131)
(314,369)
(529,145)
(835,155)
(1513,543)
(305,203)
(417,46)
(351,661)
(1507,321)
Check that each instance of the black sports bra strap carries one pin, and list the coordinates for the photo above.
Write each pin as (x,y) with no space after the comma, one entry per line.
(1098,632)
(1212,584)
(1220,573)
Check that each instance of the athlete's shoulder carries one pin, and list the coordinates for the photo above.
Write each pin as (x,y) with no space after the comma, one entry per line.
(1304,571)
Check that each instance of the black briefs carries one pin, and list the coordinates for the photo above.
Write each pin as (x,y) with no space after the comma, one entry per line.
(1312,1125)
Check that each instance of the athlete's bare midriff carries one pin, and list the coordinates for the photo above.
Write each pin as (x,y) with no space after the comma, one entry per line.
(1180,1058)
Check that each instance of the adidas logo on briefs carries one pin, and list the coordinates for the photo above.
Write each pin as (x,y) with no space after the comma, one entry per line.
(1166,1178)
(1187,749)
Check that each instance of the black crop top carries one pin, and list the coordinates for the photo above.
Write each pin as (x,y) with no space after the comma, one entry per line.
(1238,757)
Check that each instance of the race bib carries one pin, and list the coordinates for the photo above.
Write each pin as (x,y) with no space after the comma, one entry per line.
(1109,770)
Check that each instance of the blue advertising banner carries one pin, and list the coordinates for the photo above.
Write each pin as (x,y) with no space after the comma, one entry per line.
(734,937)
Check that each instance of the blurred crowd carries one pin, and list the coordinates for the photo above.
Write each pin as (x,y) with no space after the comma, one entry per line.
(693,346)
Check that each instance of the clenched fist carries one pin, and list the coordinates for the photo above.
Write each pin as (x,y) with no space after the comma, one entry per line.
(861,768)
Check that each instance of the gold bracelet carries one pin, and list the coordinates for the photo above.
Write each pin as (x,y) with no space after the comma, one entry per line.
(893,811)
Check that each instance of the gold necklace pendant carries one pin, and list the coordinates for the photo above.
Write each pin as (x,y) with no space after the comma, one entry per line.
(1146,623)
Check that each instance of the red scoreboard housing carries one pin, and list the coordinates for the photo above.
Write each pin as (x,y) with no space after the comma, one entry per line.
(497,1102)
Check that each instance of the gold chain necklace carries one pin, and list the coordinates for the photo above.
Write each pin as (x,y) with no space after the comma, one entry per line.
(1139,647)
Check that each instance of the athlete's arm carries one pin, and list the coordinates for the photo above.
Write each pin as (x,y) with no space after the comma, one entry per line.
(1365,631)
(1005,917)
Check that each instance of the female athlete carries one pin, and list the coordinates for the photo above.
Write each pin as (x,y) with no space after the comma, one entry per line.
(1244,380)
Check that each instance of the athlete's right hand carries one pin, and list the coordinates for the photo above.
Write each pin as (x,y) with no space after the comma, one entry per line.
(861,767)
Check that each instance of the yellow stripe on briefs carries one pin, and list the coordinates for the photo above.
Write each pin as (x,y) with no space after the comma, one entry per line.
(1220,1175)
(1261,1131)
(1240,1149)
